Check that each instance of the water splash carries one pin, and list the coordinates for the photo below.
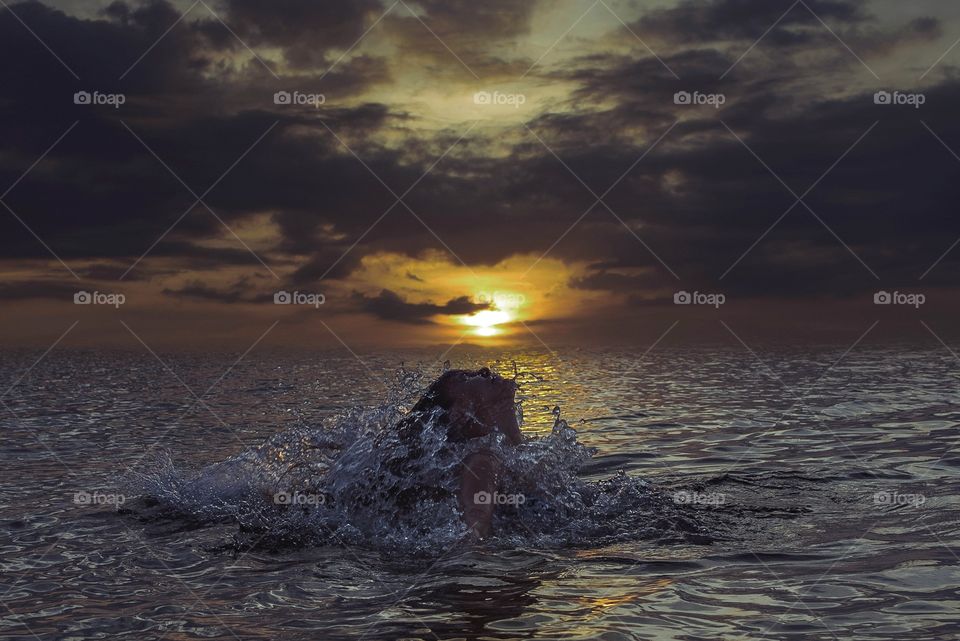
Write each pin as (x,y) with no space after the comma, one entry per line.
(355,481)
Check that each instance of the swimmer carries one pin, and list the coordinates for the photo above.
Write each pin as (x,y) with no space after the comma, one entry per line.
(471,404)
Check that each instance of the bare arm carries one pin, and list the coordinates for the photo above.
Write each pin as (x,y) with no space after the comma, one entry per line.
(480,476)
(479,480)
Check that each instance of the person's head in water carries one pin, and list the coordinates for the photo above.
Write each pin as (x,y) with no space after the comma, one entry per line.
(469,404)
(475,402)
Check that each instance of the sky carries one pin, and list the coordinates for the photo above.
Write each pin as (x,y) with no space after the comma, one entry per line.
(380,173)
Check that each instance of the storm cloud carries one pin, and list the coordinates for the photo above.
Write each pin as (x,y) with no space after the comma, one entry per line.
(799,185)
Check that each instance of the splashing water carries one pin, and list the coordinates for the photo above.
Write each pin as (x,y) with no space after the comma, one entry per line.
(356,481)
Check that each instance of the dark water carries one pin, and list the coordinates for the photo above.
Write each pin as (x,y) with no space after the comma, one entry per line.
(810,497)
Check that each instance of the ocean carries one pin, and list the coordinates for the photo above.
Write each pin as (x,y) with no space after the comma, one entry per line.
(684,493)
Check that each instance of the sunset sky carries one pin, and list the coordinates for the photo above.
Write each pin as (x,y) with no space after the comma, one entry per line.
(493,172)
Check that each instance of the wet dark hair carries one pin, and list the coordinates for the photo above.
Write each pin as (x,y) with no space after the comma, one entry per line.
(440,398)
(440,393)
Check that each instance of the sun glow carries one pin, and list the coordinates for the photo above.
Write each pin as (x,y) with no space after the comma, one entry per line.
(493,303)
(485,322)
(502,307)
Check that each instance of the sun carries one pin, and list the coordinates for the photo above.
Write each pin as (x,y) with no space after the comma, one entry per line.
(485,322)
(502,307)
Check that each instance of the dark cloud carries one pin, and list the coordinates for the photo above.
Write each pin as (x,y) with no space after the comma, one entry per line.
(463,41)
(699,201)
(306,30)
(696,21)
(493,19)
(601,279)
(113,272)
(238,292)
(26,290)
(389,305)
(784,36)
(100,193)
(331,263)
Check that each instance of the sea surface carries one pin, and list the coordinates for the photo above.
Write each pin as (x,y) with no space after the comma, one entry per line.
(684,493)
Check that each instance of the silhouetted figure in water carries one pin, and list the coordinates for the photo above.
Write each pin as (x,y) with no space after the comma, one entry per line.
(470,404)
